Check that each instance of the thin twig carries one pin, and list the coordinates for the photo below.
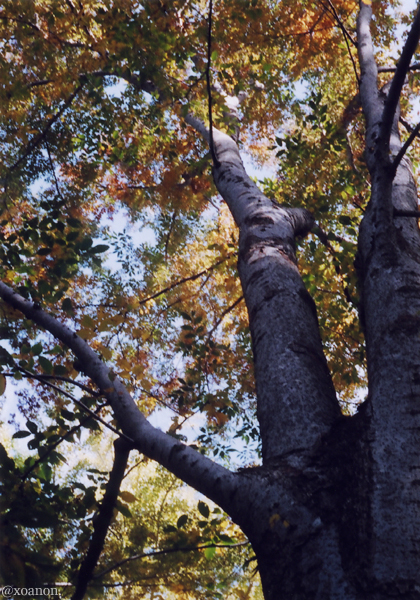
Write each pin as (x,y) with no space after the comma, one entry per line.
(405,147)
(347,37)
(216,161)
(41,136)
(167,551)
(184,280)
(83,387)
(398,80)
(57,187)
(223,315)
(341,24)
(413,67)
(78,402)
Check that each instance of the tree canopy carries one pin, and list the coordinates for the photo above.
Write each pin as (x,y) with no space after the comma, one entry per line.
(112,229)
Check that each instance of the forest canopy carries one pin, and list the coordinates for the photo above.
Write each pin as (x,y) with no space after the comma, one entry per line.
(112,226)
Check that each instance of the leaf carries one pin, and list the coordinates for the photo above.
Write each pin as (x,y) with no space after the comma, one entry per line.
(124,510)
(182,521)
(209,553)
(128,497)
(21,434)
(204,509)
(67,305)
(33,427)
(99,249)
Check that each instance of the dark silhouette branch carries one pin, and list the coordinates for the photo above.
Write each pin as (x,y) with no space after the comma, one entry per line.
(103,518)
(223,315)
(398,80)
(37,140)
(216,161)
(347,37)
(41,378)
(405,147)
(184,280)
(167,551)
(413,67)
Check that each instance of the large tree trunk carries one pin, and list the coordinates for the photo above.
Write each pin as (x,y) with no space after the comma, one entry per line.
(335,510)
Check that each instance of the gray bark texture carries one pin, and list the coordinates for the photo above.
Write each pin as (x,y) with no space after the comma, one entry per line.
(334,512)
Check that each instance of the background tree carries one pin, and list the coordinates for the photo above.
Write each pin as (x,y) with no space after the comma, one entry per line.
(122,111)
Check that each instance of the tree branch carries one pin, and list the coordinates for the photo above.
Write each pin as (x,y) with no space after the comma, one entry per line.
(184,280)
(405,147)
(211,143)
(347,37)
(369,71)
(167,551)
(216,482)
(413,67)
(103,518)
(41,136)
(397,83)
(41,378)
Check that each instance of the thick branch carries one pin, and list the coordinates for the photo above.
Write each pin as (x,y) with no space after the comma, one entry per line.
(403,66)
(369,71)
(211,479)
(296,398)
(103,519)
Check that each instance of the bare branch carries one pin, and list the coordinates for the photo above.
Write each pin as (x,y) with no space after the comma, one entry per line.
(211,143)
(184,280)
(223,315)
(369,71)
(347,37)
(93,414)
(405,147)
(168,551)
(413,67)
(397,83)
(43,377)
(102,519)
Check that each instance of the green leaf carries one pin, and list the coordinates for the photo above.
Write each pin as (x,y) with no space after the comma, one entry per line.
(21,434)
(33,427)
(67,305)
(204,509)
(209,553)
(182,521)
(46,365)
(99,249)
(37,349)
